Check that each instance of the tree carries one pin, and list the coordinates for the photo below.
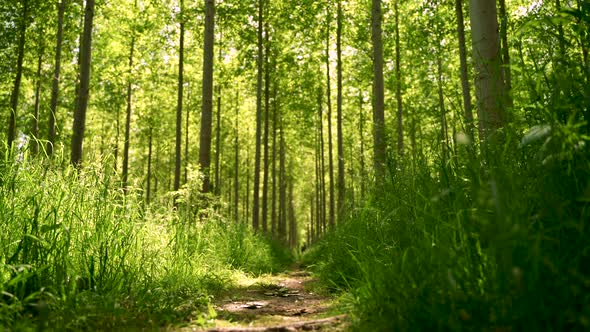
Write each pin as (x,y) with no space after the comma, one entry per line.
(341,181)
(256,198)
(489,86)
(56,76)
(178,143)
(398,84)
(84,90)
(329,115)
(465,88)
(207,99)
(18,76)
(379,141)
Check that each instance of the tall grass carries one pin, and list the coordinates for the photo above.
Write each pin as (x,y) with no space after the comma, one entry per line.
(76,252)
(495,243)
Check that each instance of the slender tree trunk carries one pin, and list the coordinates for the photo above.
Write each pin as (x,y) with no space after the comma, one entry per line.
(19,73)
(379,145)
(329,104)
(35,129)
(318,184)
(341,180)
(178,141)
(444,138)
(489,86)
(84,90)
(255,201)
(506,53)
(186,136)
(274,164)
(217,188)
(207,99)
(362,144)
(117,135)
(322,163)
(56,75)
(149,166)
(128,118)
(237,160)
(266,120)
(398,84)
(292,221)
(247,195)
(467,106)
(282,185)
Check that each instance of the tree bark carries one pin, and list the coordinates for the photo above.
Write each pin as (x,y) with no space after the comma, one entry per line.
(489,86)
(237,159)
(128,118)
(341,180)
(207,99)
(266,120)
(465,87)
(56,75)
(19,73)
(35,129)
(84,90)
(274,168)
(282,185)
(506,53)
(149,167)
(256,198)
(217,187)
(380,146)
(322,162)
(178,142)
(329,115)
(362,144)
(398,84)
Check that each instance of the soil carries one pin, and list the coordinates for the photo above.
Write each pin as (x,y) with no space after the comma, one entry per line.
(292,301)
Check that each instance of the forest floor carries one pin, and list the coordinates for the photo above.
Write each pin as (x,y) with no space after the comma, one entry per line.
(290,301)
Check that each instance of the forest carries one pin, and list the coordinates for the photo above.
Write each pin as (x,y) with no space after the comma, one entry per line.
(232,165)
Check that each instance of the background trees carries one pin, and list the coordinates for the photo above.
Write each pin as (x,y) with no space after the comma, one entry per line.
(265,75)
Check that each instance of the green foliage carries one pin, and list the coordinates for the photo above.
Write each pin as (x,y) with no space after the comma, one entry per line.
(76,252)
(503,246)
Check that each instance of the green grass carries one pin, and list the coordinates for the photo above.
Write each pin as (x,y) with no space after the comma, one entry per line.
(501,243)
(77,253)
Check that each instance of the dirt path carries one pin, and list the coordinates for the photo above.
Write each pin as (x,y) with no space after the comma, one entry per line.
(286,302)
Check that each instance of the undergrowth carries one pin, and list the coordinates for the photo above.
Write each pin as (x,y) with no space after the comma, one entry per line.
(498,243)
(77,252)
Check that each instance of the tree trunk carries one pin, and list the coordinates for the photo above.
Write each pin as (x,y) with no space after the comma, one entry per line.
(341,180)
(84,90)
(149,167)
(128,118)
(322,163)
(207,99)
(274,164)
(56,75)
(217,187)
(444,138)
(506,54)
(265,143)
(380,146)
(19,73)
(282,185)
(489,86)
(255,201)
(237,159)
(398,85)
(467,106)
(186,136)
(35,129)
(329,104)
(362,144)
(178,142)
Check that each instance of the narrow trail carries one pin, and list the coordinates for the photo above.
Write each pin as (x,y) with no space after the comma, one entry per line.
(290,301)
